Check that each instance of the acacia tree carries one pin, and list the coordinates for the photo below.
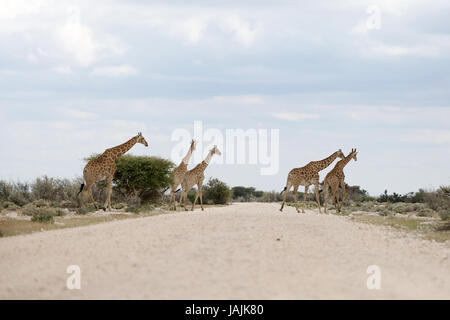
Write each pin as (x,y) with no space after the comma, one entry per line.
(144,177)
(216,192)
(140,176)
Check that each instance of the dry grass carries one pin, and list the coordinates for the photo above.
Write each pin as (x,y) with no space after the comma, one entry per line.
(13,227)
(430,229)
(416,218)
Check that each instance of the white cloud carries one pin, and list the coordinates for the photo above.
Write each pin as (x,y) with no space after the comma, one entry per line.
(379,48)
(427,136)
(31,57)
(63,70)
(77,39)
(79,42)
(192,29)
(115,71)
(396,115)
(60,125)
(11,9)
(77,114)
(8,72)
(295,116)
(382,114)
(243,31)
(238,100)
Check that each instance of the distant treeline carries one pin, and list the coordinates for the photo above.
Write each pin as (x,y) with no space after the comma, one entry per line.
(143,180)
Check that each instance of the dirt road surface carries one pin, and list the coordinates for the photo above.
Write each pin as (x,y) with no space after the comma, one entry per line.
(242,251)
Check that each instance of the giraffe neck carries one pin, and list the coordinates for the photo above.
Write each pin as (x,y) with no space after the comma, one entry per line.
(188,156)
(208,158)
(346,160)
(322,164)
(120,150)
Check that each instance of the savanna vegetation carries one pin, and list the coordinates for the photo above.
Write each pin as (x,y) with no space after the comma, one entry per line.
(141,184)
(139,187)
(423,203)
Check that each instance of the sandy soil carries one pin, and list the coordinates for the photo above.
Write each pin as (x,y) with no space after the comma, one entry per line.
(243,251)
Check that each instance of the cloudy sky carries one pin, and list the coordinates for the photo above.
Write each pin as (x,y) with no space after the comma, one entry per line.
(77,77)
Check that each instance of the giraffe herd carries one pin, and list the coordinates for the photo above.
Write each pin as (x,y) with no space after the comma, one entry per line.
(104,167)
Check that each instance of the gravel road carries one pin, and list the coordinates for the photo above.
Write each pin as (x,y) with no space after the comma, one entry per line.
(242,251)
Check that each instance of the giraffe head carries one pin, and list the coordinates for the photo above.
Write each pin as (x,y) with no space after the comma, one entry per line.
(340,154)
(354,155)
(215,150)
(193,145)
(141,139)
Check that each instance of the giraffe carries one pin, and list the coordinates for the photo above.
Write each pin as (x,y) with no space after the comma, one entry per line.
(179,172)
(195,177)
(307,176)
(336,177)
(104,168)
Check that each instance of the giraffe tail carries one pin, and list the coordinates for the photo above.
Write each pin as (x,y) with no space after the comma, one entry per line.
(283,190)
(81,189)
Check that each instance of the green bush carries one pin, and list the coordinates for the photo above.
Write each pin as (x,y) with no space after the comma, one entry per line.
(444,214)
(402,208)
(54,190)
(272,196)
(8,205)
(41,203)
(59,212)
(43,217)
(43,188)
(191,196)
(133,209)
(426,212)
(368,206)
(144,177)
(1,233)
(85,210)
(18,193)
(67,204)
(30,209)
(216,191)
(243,193)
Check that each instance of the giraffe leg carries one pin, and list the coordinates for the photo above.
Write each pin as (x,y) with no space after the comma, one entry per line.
(85,196)
(173,199)
(87,192)
(325,195)
(316,187)
(288,187)
(185,200)
(201,200)
(92,199)
(196,197)
(295,198)
(108,198)
(335,197)
(304,198)
(182,204)
(201,195)
(344,191)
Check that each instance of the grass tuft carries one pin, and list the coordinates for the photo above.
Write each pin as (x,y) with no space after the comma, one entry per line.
(43,217)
